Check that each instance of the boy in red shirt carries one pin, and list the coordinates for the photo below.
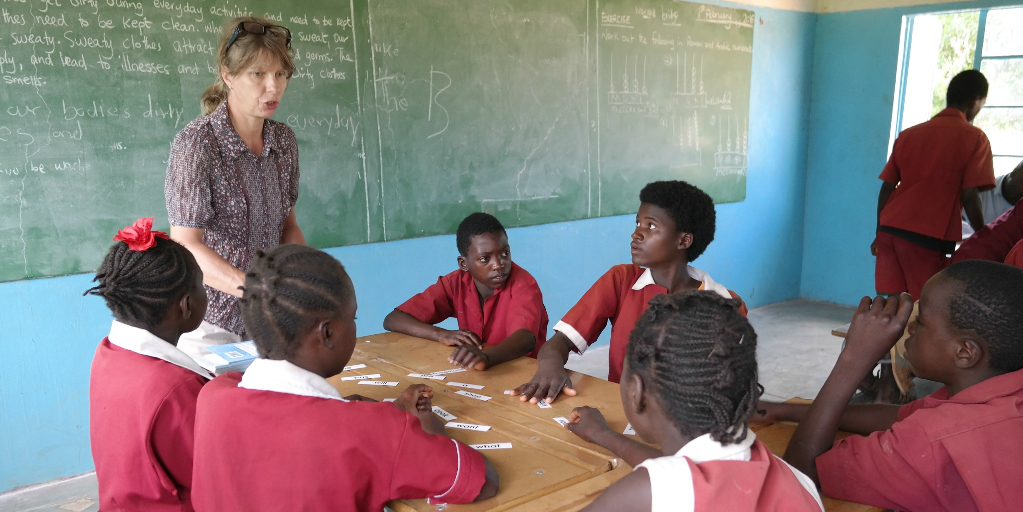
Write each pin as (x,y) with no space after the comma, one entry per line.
(498,304)
(937,168)
(957,449)
(283,438)
(142,389)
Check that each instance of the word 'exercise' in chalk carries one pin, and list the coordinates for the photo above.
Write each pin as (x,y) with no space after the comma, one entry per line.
(473,395)
(467,426)
(491,446)
(464,385)
(426,376)
(444,415)
(354,367)
(362,377)
(377,383)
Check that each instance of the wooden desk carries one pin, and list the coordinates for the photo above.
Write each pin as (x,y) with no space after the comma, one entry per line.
(548,468)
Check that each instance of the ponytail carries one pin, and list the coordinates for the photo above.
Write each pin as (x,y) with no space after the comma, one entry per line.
(214,96)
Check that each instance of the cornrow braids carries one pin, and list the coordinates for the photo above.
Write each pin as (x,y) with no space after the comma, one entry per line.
(287,290)
(990,305)
(139,286)
(697,355)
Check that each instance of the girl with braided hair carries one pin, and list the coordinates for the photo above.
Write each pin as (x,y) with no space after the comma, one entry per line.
(142,389)
(690,386)
(307,447)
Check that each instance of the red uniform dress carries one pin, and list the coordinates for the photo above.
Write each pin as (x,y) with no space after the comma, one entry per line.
(994,241)
(932,163)
(518,305)
(1015,257)
(708,476)
(957,454)
(281,438)
(142,395)
(620,296)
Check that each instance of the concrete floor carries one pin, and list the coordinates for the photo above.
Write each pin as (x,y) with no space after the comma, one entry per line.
(796,352)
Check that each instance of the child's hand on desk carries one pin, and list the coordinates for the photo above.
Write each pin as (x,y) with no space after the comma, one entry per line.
(416,399)
(459,338)
(877,326)
(468,356)
(589,424)
(548,382)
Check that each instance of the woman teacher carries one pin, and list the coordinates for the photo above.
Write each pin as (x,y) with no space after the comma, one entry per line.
(232,177)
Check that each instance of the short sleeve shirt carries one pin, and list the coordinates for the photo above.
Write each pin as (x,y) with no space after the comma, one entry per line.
(932,163)
(317,454)
(241,200)
(620,296)
(518,305)
(959,453)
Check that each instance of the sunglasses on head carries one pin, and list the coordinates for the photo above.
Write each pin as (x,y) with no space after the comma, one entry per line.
(254,27)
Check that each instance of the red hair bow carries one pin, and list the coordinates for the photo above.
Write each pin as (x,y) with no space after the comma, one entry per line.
(140,236)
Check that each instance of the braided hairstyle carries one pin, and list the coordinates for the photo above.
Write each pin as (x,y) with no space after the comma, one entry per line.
(990,305)
(140,286)
(697,355)
(478,223)
(691,209)
(287,290)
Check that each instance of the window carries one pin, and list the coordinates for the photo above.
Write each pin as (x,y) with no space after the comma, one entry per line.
(938,46)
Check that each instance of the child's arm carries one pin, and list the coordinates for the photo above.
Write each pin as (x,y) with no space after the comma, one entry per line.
(550,378)
(492,482)
(875,328)
(590,426)
(860,419)
(518,344)
(417,400)
(630,493)
(970,199)
(400,321)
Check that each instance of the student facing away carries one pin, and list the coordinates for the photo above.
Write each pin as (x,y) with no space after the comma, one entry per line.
(498,304)
(690,386)
(142,389)
(674,225)
(282,438)
(958,449)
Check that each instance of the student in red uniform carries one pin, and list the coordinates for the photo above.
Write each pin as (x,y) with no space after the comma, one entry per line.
(936,169)
(958,449)
(142,389)
(674,225)
(498,304)
(995,241)
(282,438)
(690,386)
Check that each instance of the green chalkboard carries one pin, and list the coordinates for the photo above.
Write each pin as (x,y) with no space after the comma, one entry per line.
(409,114)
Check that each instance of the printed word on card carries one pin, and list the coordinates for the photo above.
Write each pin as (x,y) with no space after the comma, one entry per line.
(473,395)
(426,376)
(377,383)
(362,377)
(464,385)
(629,430)
(444,415)
(561,420)
(543,404)
(468,426)
(354,367)
(491,446)
(445,372)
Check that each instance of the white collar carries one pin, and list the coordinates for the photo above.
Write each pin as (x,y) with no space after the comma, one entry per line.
(709,284)
(281,376)
(704,448)
(146,343)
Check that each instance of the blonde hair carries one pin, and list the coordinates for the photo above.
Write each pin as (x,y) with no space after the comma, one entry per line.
(247,49)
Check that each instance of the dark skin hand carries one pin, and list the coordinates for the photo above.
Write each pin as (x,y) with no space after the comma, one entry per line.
(518,344)
(589,424)
(875,328)
(862,419)
(970,199)
(551,378)
(417,400)
(400,321)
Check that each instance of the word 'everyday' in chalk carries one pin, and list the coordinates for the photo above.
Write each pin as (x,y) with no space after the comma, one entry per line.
(468,426)
(473,395)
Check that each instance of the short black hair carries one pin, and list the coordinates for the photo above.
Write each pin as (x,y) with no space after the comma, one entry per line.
(990,305)
(287,290)
(475,224)
(691,209)
(698,356)
(139,287)
(966,87)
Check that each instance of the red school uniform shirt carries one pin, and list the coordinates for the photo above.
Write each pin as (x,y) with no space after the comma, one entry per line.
(620,296)
(932,163)
(958,454)
(706,476)
(141,417)
(994,241)
(261,450)
(518,305)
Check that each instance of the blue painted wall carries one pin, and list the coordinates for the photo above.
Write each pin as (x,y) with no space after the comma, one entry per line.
(854,69)
(50,331)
